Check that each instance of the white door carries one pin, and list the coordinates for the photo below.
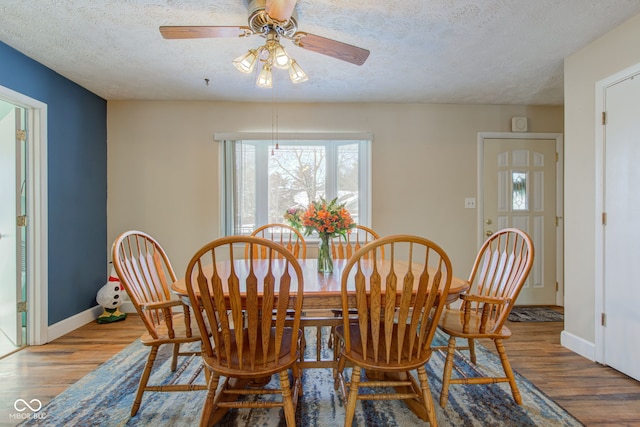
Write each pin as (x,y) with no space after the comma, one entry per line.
(519,190)
(622,229)
(10,233)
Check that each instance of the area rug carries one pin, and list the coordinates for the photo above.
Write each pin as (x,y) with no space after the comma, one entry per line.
(535,314)
(104,397)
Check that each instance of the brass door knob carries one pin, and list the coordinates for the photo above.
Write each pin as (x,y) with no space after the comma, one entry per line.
(488,232)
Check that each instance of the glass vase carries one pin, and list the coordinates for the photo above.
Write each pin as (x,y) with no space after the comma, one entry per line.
(325,263)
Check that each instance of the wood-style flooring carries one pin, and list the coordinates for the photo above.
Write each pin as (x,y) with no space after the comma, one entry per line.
(594,394)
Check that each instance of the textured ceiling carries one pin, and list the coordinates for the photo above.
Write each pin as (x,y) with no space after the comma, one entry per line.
(433,51)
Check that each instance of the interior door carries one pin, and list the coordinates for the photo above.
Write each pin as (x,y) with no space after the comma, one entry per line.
(621,331)
(10,233)
(519,190)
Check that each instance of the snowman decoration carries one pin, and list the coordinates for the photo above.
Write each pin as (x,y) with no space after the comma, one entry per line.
(110,298)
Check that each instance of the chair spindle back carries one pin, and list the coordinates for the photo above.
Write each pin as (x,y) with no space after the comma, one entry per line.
(261,292)
(396,325)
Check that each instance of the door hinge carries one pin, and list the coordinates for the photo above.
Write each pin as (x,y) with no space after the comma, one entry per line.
(603,319)
(604,218)
(21,221)
(557,286)
(604,117)
(557,157)
(21,306)
(21,135)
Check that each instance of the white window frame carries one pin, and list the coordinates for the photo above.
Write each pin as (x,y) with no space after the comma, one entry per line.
(334,140)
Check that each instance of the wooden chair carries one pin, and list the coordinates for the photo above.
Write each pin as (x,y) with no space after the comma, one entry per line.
(499,272)
(283,234)
(252,335)
(146,274)
(342,248)
(392,335)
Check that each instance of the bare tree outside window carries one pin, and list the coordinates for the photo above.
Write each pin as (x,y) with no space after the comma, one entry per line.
(296,177)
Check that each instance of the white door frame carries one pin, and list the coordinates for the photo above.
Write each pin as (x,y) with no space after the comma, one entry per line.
(37,241)
(559,195)
(600,104)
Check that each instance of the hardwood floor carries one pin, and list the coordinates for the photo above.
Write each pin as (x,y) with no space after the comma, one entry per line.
(596,395)
(43,372)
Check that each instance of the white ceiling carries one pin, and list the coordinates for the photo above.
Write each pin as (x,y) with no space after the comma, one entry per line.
(431,51)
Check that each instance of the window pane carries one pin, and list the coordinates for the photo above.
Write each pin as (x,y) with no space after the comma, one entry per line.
(245,188)
(348,178)
(297,175)
(519,200)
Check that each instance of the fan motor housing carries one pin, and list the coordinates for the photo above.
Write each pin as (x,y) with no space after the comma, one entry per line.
(261,23)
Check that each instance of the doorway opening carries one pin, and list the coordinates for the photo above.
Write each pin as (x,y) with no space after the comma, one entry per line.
(13,234)
(23,222)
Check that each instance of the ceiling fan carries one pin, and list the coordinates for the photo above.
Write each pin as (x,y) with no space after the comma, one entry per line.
(273,20)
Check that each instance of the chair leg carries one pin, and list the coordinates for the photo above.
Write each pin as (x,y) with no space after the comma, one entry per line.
(287,401)
(472,350)
(508,371)
(353,396)
(337,371)
(174,358)
(297,384)
(331,340)
(446,375)
(426,396)
(144,379)
(209,401)
(318,343)
(303,345)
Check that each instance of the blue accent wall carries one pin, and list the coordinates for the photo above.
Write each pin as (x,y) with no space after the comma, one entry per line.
(77,181)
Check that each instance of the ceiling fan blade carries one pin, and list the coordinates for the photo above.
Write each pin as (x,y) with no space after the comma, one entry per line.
(189,32)
(280,10)
(343,51)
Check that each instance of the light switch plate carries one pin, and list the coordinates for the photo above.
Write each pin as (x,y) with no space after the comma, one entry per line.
(470,203)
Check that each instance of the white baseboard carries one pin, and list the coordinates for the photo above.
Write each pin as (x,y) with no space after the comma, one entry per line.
(578,345)
(127,307)
(72,323)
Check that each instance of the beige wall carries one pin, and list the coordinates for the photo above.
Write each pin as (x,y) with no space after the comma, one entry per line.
(163,165)
(608,55)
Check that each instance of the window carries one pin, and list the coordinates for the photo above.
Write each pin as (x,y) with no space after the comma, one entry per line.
(261,182)
(519,198)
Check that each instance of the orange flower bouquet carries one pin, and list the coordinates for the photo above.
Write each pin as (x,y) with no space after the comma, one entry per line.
(328,220)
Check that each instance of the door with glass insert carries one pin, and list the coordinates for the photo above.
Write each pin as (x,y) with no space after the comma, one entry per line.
(519,191)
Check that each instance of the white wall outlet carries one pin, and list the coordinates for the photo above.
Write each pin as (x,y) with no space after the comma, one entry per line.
(470,203)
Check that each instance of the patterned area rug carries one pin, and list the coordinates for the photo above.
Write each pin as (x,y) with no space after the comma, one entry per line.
(104,397)
(535,314)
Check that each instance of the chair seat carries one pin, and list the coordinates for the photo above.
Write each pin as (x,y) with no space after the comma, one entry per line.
(179,329)
(264,363)
(403,364)
(452,322)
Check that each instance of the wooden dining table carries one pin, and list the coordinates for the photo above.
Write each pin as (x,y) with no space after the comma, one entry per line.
(322,294)
(321,291)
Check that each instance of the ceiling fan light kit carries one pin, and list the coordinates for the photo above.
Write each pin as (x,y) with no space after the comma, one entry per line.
(247,62)
(265,78)
(272,54)
(296,74)
(273,20)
